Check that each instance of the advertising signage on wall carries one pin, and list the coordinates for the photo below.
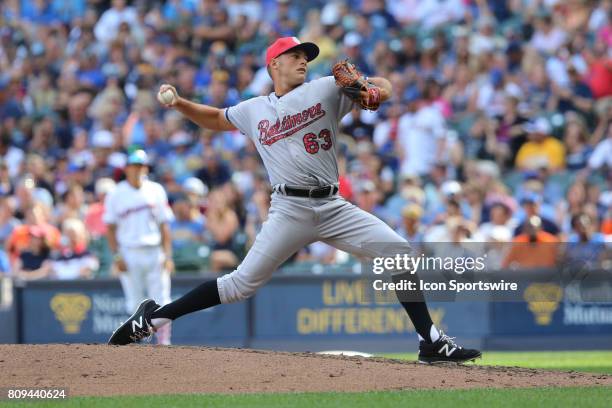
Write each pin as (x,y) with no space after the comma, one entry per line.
(88,312)
(309,313)
(320,311)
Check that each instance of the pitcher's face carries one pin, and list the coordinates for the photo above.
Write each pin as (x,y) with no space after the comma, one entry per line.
(292,65)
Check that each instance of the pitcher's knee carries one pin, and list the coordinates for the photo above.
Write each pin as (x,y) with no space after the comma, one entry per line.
(235,287)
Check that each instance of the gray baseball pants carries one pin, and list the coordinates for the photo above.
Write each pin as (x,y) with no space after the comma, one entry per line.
(293,223)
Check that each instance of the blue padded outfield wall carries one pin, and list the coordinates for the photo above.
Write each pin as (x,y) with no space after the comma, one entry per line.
(308,313)
(88,312)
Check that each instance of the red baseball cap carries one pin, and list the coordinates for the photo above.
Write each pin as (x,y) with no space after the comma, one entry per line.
(285,44)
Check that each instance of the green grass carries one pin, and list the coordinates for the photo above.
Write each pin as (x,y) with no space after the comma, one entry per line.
(589,361)
(536,397)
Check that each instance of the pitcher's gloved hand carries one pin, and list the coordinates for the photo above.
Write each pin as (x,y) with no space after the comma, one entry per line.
(356,86)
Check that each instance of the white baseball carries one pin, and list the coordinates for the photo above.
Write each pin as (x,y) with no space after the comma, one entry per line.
(167,97)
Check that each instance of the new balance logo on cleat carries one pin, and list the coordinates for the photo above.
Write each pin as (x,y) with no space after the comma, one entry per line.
(137,323)
(445,350)
(137,327)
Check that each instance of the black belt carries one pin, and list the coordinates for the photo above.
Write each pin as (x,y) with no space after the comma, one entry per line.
(311,192)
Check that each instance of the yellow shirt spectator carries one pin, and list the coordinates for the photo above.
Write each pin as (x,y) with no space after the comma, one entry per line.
(541,150)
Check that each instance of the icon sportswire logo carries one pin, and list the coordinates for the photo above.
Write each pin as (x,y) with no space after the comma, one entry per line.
(446,350)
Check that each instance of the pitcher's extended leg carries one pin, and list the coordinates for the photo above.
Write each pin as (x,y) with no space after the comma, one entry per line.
(360,233)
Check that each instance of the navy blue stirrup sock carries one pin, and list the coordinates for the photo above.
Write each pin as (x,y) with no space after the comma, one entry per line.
(417,310)
(202,297)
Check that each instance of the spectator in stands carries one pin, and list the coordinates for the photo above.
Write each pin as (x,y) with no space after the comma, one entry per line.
(501,221)
(257,214)
(448,197)
(576,96)
(584,230)
(235,200)
(530,204)
(6,184)
(215,172)
(12,156)
(196,194)
(411,229)
(222,224)
(27,194)
(177,155)
(352,49)
(493,94)
(533,248)
(542,150)
(79,152)
(107,26)
(8,222)
(586,245)
(72,205)
(81,175)
(37,169)
(474,204)
(421,138)
(318,253)
(409,191)
(368,197)
(461,92)
(576,139)
(134,131)
(602,154)
(598,59)
(353,125)
(73,260)
(185,228)
(547,37)
(102,143)
(443,229)
(93,216)
(37,217)
(510,131)
(30,263)
(606,225)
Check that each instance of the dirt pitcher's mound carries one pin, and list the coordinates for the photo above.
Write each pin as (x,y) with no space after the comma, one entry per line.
(113,370)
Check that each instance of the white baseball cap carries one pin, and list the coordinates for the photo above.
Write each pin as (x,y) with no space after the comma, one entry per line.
(540,125)
(450,187)
(180,138)
(194,185)
(117,160)
(103,139)
(501,233)
(352,39)
(104,185)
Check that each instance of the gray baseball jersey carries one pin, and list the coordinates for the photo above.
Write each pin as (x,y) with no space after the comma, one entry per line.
(296,133)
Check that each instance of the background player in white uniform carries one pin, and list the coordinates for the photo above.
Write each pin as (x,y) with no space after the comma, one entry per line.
(137,214)
(294,129)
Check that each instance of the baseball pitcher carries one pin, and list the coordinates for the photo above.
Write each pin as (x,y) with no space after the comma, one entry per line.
(294,129)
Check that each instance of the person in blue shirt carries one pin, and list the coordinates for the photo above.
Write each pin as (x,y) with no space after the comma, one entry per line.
(585,243)
(185,228)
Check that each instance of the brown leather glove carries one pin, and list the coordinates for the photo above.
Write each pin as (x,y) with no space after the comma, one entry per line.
(356,86)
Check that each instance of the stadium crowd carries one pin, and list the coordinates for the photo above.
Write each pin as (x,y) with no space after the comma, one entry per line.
(499,128)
